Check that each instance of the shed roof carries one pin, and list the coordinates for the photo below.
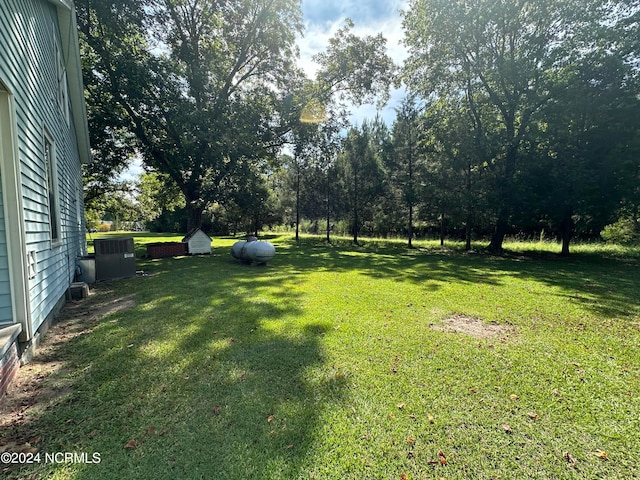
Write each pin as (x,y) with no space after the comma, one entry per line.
(194,232)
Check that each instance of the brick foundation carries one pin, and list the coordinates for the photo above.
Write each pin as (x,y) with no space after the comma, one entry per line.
(9,365)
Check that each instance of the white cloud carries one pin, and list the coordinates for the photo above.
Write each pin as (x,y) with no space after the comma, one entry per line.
(383,18)
(133,171)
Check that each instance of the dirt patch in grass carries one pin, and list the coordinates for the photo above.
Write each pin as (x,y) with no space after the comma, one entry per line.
(46,380)
(474,327)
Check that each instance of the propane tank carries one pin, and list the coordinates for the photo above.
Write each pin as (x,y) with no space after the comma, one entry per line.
(253,251)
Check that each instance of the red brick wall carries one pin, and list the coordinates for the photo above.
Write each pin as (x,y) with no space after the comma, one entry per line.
(166,249)
(9,365)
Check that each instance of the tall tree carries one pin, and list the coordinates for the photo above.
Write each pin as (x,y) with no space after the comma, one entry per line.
(506,53)
(405,161)
(360,172)
(591,131)
(458,154)
(205,86)
(198,81)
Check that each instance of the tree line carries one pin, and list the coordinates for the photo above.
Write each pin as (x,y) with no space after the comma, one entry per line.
(520,118)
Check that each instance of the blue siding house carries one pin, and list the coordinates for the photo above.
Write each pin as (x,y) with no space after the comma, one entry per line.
(43,142)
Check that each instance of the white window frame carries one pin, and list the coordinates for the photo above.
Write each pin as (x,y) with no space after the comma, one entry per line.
(62,84)
(14,213)
(51,184)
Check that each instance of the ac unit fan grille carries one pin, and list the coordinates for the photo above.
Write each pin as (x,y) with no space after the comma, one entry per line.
(113,246)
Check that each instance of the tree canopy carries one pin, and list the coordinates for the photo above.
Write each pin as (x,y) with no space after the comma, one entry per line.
(204,87)
(520,117)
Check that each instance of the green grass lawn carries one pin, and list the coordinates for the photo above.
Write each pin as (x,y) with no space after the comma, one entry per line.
(325,364)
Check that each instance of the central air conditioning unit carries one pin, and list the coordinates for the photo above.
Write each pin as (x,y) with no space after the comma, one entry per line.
(115,258)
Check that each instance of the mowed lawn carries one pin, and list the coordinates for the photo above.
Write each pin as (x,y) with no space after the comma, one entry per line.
(334,362)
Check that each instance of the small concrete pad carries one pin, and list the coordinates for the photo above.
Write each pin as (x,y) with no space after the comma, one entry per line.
(79,290)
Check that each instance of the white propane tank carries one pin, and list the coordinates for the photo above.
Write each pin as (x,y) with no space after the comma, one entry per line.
(260,252)
(253,251)
(236,249)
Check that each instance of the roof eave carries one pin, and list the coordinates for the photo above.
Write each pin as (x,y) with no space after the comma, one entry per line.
(69,30)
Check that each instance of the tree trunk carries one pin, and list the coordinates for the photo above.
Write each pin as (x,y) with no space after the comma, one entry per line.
(442,230)
(467,227)
(297,199)
(498,236)
(505,188)
(328,217)
(410,226)
(194,216)
(355,226)
(566,232)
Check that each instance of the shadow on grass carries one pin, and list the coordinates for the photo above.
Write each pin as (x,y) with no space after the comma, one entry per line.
(607,286)
(211,375)
(214,374)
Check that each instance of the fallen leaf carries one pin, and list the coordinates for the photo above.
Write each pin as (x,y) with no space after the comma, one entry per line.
(288,447)
(442,458)
(403,476)
(513,396)
(532,415)
(131,444)
(400,405)
(430,418)
(151,430)
(569,458)
(93,434)
(410,454)
(270,418)
(600,454)
(507,428)
(411,440)
(27,448)
(217,409)
(163,388)
(163,431)
(312,474)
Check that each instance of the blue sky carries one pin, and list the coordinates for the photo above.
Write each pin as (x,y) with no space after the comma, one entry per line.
(323,17)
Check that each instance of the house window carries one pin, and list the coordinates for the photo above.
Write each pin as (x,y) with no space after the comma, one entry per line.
(63,86)
(52,190)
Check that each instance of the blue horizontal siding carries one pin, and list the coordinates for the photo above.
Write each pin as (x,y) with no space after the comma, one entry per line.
(28,66)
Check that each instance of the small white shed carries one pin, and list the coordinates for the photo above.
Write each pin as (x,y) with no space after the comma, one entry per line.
(198,242)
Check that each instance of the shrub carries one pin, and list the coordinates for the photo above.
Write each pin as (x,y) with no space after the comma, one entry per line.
(625,231)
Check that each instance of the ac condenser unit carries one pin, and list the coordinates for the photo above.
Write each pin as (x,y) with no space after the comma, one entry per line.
(115,258)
